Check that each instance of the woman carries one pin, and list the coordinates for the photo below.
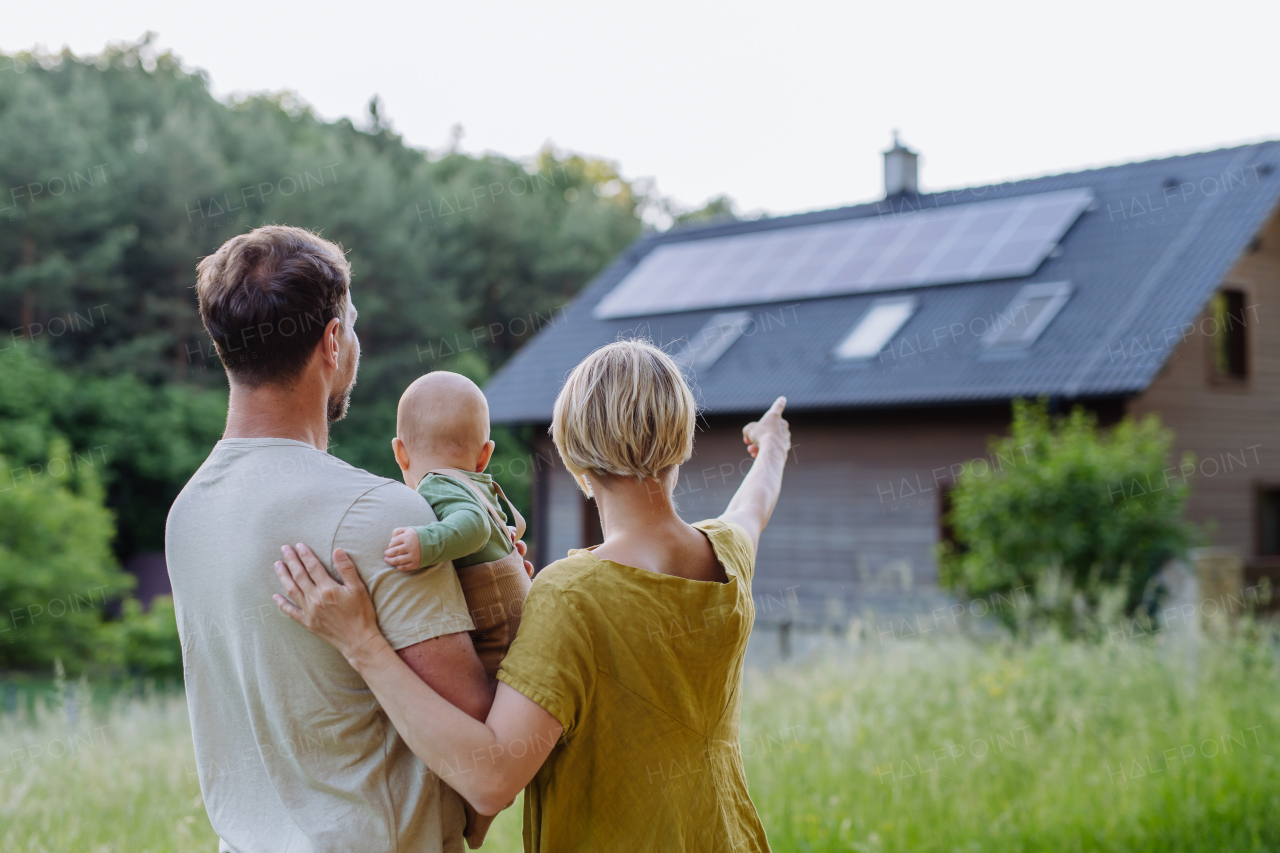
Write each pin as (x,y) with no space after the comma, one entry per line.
(618,702)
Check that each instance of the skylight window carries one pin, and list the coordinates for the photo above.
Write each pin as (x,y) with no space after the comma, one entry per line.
(1030,312)
(710,342)
(876,328)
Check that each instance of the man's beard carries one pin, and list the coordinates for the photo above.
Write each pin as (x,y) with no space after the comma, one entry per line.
(340,402)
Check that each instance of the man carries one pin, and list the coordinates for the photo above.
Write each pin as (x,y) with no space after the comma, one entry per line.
(292,750)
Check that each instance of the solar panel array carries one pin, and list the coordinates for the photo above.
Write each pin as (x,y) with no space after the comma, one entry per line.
(967,242)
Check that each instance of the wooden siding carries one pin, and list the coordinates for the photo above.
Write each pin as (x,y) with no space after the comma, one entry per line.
(1232,428)
(858,517)
(560,517)
(856,525)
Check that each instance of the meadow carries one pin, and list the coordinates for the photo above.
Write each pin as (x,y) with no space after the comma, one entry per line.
(867,747)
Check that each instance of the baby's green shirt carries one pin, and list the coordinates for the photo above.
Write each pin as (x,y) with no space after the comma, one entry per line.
(465,532)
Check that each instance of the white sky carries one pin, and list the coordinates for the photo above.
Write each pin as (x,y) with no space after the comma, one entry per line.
(785,106)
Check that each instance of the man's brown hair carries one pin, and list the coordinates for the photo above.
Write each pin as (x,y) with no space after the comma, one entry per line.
(265,298)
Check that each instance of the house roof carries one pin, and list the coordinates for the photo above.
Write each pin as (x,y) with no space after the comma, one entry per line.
(1142,262)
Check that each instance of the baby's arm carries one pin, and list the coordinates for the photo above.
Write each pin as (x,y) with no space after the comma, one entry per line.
(463,529)
(405,551)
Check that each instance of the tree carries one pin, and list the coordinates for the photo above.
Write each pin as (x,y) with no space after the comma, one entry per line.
(57,572)
(1068,522)
(119,172)
(67,442)
(718,209)
(142,442)
(127,171)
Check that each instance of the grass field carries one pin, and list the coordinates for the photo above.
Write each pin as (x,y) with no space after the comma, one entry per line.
(898,747)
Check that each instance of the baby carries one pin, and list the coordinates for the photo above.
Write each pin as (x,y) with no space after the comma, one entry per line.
(442,445)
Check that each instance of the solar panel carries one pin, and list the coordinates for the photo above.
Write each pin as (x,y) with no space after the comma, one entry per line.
(985,240)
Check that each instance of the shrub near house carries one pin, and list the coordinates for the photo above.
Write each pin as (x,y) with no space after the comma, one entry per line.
(1059,525)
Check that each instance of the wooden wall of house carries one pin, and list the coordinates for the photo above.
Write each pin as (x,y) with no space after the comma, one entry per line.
(859,516)
(1233,428)
(858,519)
(559,506)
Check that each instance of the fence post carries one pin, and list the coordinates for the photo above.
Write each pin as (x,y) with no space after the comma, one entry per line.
(1220,572)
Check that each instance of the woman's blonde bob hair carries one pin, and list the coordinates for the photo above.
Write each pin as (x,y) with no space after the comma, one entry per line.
(626,410)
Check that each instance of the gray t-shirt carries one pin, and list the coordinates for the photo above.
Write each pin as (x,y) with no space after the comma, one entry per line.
(293,752)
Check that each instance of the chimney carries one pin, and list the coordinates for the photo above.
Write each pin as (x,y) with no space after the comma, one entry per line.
(900,169)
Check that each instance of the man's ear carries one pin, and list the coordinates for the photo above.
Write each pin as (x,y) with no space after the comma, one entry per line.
(486,453)
(401,452)
(331,352)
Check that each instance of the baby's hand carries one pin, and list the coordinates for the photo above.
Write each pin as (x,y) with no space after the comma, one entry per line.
(405,551)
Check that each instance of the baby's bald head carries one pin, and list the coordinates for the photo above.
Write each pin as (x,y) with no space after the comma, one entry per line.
(443,414)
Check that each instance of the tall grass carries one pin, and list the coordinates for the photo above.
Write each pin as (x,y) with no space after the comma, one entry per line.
(101,776)
(1051,747)
(900,747)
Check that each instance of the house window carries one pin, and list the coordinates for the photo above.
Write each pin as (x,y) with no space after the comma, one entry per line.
(1229,343)
(877,326)
(1269,522)
(947,530)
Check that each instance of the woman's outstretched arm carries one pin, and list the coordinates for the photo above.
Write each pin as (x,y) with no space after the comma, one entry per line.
(768,441)
(488,763)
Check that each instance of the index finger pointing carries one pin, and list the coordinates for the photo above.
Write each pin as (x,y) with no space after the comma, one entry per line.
(778,405)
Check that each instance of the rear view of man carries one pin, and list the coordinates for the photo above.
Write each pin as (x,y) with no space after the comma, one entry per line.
(293,752)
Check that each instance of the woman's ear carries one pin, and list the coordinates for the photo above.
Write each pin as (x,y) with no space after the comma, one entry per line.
(670,477)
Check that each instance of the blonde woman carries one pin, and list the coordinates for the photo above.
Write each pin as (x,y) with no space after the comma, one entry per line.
(618,703)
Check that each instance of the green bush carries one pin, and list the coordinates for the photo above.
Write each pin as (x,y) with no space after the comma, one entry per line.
(59,579)
(147,640)
(143,441)
(1069,523)
(57,572)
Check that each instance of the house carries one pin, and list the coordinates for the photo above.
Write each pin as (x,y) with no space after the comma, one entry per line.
(900,330)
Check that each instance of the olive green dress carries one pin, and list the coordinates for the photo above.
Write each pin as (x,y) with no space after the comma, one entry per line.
(644,671)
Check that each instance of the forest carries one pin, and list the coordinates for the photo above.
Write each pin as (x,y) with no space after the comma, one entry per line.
(119,172)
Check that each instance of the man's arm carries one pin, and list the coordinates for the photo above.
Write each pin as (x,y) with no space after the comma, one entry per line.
(449,666)
(423,614)
(477,759)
